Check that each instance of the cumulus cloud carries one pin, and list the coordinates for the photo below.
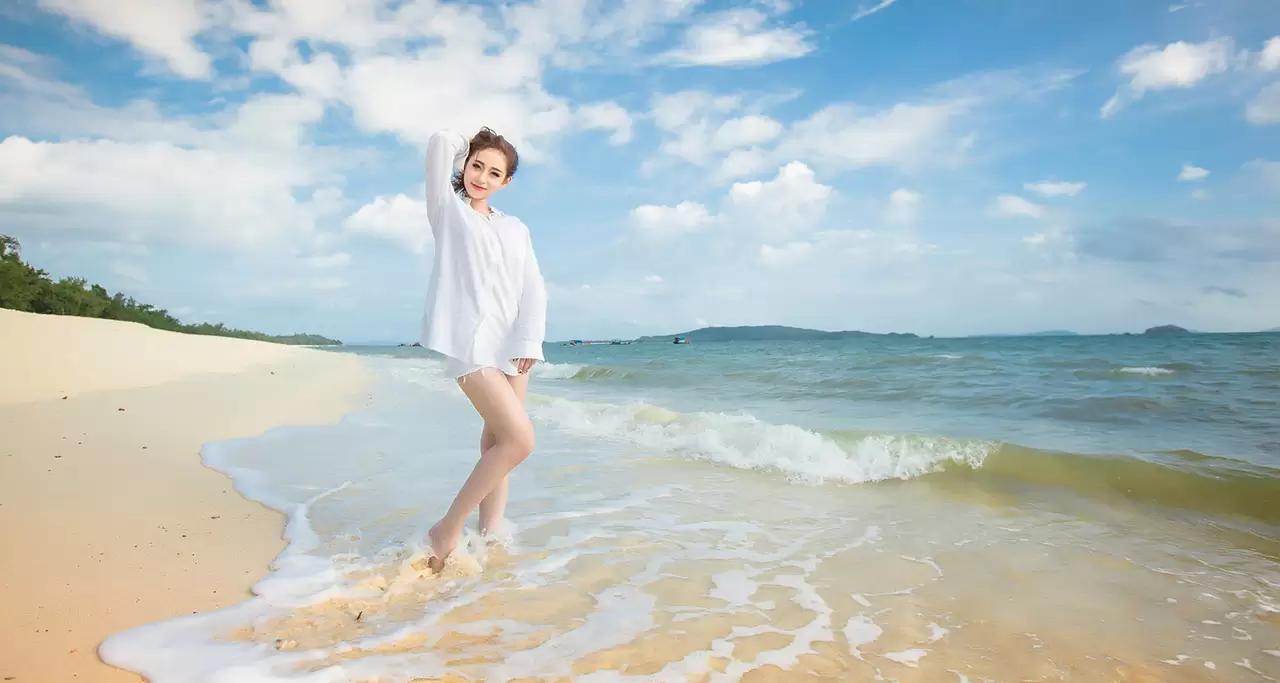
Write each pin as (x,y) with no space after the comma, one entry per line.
(1269,57)
(399,219)
(848,136)
(661,222)
(164,30)
(1055,188)
(792,202)
(485,67)
(742,163)
(739,37)
(159,192)
(1192,173)
(607,116)
(1013,206)
(746,131)
(1176,65)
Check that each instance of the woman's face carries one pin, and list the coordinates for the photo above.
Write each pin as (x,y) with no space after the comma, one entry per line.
(486,173)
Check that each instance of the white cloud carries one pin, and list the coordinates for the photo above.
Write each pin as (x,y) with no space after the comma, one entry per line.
(701,132)
(781,257)
(1264,110)
(1192,173)
(1200,195)
(789,204)
(1176,65)
(864,12)
(661,222)
(653,279)
(469,89)
(904,204)
(484,67)
(849,137)
(1269,57)
(674,111)
(793,202)
(741,163)
(1011,206)
(162,29)
(25,70)
(746,131)
(159,192)
(400,219)
(1056,188)
(607,116)
(739,37)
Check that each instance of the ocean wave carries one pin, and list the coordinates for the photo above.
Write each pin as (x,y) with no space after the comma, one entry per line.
(576,371)
(744,442)
(1181,479)
(1150,371)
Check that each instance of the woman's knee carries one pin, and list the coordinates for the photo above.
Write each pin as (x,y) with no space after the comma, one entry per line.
(521,439)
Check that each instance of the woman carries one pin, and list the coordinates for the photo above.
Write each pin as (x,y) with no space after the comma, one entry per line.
(485,312)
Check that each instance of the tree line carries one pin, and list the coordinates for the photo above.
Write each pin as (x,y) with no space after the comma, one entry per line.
(26,288)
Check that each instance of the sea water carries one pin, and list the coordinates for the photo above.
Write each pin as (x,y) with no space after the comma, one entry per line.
(1091,508)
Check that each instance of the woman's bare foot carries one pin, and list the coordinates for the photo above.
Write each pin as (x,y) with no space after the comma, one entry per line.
(442,546)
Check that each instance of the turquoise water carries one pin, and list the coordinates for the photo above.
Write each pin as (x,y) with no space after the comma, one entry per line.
(1017,509)
(1214,394)
(1203,406)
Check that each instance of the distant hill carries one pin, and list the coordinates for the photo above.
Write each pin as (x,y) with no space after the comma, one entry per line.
(1166,329)
(766,333)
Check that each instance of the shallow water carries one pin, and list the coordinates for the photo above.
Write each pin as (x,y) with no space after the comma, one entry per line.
(731,512)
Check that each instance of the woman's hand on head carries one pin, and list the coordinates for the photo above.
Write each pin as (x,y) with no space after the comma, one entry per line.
(524,364)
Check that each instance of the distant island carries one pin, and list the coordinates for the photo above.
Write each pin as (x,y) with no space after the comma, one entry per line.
(765,333)
(29,289)
(1167,329)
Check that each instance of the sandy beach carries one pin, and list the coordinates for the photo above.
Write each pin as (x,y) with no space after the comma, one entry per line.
(108,517)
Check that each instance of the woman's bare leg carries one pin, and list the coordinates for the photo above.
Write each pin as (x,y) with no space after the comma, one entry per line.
(503,412)
(495,504)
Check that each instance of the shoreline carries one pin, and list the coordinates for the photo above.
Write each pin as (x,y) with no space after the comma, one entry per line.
(109,515)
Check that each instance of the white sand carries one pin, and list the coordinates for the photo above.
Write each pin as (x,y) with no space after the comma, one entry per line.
(108,518)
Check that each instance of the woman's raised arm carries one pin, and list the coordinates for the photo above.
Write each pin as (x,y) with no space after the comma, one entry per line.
(446,152)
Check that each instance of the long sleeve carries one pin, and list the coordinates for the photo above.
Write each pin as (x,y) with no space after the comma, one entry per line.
(446,152)
(531,317)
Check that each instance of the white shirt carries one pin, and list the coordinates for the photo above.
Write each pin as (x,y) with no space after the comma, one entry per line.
(486,300)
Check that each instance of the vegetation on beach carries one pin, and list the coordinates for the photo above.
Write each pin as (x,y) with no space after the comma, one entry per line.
(26,288)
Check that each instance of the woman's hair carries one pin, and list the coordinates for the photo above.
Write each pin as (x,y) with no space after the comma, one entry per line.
(487,139)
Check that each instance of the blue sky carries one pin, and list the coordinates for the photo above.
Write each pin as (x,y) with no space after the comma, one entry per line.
(943,168)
